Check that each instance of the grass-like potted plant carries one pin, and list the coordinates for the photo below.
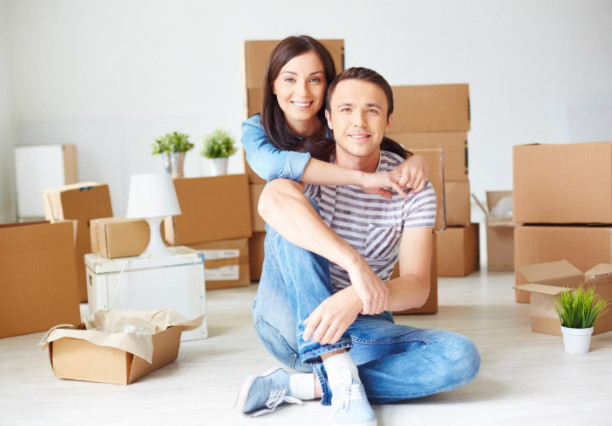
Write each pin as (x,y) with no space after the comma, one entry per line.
(578,310)
(173,147)
(217,147)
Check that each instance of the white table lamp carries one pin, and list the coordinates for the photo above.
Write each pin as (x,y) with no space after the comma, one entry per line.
(153,197)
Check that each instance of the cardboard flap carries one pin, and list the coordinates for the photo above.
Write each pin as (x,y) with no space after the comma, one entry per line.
(600,270)
(550,272)
(543,289)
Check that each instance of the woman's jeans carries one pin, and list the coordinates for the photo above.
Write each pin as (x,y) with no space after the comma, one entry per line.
(395,362)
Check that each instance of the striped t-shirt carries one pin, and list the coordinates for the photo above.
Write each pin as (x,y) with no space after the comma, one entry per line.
(371,224)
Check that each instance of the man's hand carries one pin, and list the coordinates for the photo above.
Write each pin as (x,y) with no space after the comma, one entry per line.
(328,322)
(413,173)
(373,293)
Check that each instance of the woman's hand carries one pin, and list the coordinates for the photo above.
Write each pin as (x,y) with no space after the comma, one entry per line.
(382,182)
(413,173)
(328,322)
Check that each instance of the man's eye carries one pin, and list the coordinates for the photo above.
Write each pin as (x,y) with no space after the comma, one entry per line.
(373,111)
(345,109)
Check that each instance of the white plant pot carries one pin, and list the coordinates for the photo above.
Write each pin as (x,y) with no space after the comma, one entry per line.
(576,340)
(218,166)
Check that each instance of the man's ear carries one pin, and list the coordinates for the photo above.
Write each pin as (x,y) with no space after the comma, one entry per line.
(389,121)
(328,118)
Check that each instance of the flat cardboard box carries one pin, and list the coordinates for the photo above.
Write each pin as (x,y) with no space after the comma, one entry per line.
(114,237)
(435,161)
(431,305)
(546,280)
(256,254)
(81,202)
(257,223)
(212,209)
(582,246)
(458,251)
(431,108)
(453,144)
(226,263)
(82,353)
(458,203)
(257,53)
(39,277)
(563,183)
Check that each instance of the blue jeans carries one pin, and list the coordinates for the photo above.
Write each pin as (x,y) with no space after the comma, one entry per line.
(395,362)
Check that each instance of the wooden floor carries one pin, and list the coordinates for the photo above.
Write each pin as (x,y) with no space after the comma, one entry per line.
(525,378)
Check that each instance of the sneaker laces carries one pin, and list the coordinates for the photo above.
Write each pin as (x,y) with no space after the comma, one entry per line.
(349,391)
(276,398)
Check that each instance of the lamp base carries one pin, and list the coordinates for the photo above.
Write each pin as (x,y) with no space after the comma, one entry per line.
(156,247)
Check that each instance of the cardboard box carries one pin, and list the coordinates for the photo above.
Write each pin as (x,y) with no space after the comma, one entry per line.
(546,280)
(431,108)
(458,203)
(212,209)
(39,277)
(458,251)
(565,183)
(117,357)
(114,237)
(582,246)
(81,202)
(257,53)
(431,305)
(435,160)
(500,235)
(256,254)
(453,144)
(257,223)
(226,263)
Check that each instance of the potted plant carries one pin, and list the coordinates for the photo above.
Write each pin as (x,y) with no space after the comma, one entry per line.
(173,147)
(217,147)
(578,310)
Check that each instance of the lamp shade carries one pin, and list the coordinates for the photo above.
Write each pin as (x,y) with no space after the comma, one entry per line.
(152,195)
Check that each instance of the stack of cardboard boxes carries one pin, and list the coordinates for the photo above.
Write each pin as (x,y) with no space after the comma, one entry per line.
(438,116)
(562,199)
(255,58)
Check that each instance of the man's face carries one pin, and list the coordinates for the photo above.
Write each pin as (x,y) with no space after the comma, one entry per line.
(358,118)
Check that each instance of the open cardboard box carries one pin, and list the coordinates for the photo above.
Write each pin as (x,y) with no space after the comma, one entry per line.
(546,280)
(100,350)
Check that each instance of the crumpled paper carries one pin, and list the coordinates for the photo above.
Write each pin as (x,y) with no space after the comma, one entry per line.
(138,344)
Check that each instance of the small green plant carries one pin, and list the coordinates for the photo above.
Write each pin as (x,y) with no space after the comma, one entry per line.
(172,142)
(218,144)
(579,308)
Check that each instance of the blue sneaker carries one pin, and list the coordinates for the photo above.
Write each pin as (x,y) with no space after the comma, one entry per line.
(265,392)
(350,403)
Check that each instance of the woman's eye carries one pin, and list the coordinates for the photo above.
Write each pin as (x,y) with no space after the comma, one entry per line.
(315,80)
(289,79)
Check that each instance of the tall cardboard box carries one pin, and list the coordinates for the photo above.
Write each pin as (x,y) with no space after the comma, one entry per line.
(563,183)
(435,161)
(582,246)
(38,283)
(212,209)
(453,144)
(431,304)
(81,202)
(226,263)
(458,251)
(431,108)
(458,203)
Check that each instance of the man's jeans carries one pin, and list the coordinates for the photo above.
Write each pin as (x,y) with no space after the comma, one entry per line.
(395,362)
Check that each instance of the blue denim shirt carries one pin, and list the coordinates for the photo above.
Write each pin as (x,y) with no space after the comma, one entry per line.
(265,159)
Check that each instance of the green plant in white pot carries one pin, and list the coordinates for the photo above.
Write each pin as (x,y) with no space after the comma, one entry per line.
(173,146)
(217,147)
(578,310)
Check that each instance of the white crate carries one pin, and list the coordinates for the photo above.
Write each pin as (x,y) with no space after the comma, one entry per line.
(171,282)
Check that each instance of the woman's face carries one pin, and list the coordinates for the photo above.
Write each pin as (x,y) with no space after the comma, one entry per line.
(300,88)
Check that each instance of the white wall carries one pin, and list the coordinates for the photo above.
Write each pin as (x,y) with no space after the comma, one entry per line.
(7,134)
(112,75)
